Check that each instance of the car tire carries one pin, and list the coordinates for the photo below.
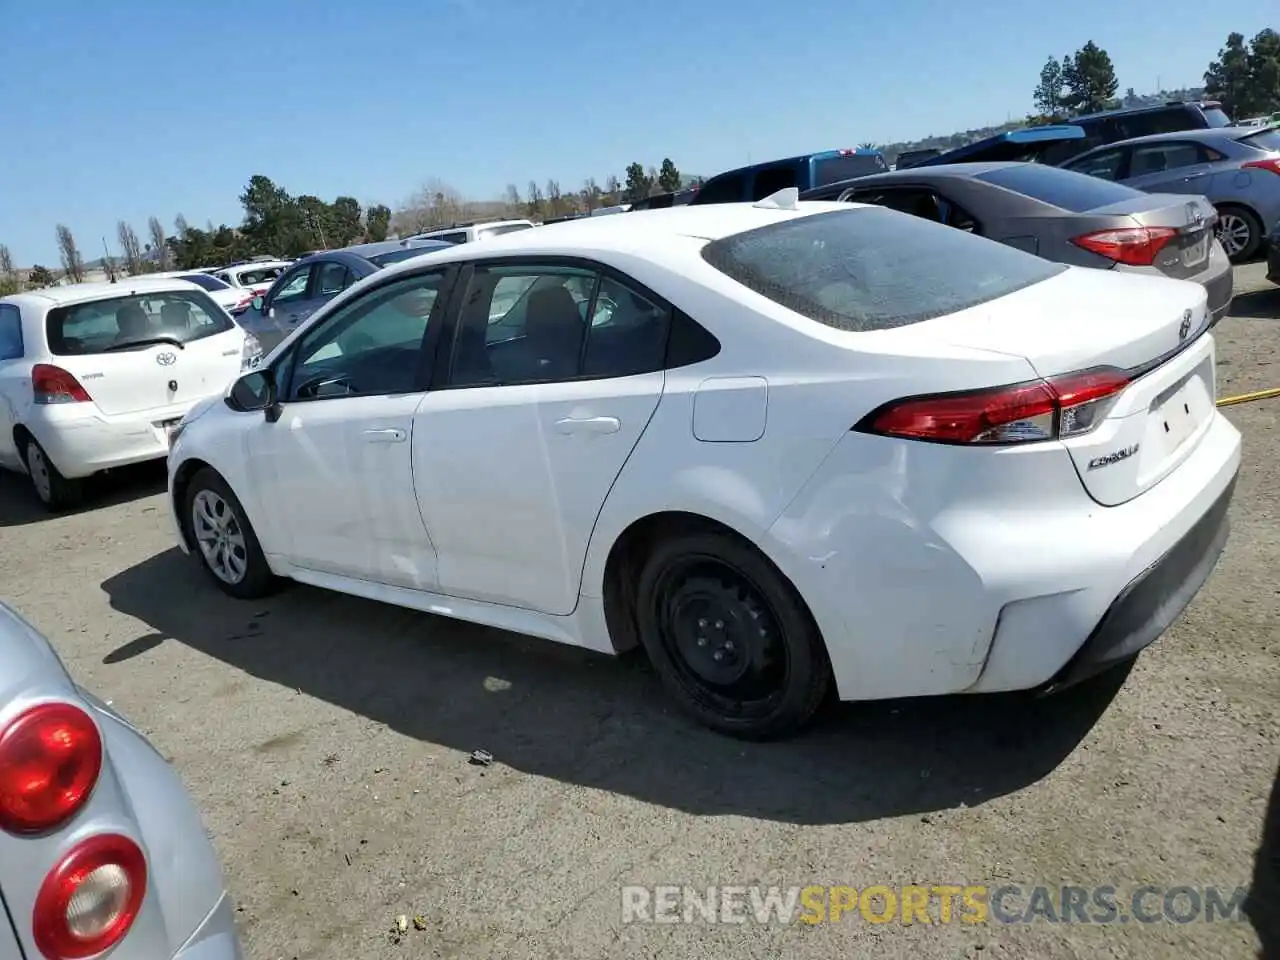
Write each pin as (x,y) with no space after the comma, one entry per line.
(730,637)
(1239,231)
(55,491)
(223,540)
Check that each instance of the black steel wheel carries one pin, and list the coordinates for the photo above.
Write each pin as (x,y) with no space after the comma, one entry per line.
(730,637)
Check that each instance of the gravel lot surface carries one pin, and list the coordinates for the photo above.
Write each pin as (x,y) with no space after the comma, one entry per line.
(326,741)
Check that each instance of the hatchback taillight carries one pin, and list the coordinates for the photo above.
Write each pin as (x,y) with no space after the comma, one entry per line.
(50,758)
(50,384)
(1057,408)
(88,902)
(1271,164)
(1135,246)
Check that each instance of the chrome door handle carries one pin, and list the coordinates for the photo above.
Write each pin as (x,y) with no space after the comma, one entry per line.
(588,425)
(385,436)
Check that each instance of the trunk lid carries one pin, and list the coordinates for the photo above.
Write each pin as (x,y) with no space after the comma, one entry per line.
(1085,318)
(1193,218)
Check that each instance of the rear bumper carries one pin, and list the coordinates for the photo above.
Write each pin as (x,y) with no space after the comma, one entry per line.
(81,442)
(1153,600)
(1219,290)
(216,938)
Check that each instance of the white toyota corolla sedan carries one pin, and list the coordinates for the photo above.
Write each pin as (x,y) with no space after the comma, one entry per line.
(790,449)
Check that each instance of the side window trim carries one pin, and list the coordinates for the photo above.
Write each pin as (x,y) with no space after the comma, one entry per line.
(449,329)
(287,363)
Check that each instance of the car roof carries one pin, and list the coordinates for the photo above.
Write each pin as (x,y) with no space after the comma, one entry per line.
(946,171)
(379,247)
(1199,135)
(644,233)
(1148,108)
(256,265)
(49,297)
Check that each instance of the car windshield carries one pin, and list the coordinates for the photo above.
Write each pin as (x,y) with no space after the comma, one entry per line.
(395,256)
(139,320)
(873,269)
(205,281)
(250,278)
(1215,117)
(1064,189)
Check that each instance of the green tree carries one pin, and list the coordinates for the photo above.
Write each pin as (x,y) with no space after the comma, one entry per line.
(1264,71)
(40,277)
(273,221)
(1090,79)
(638,184)
(348,222)
(9,280)
(668,176)
(1228,80)
(1048,92)
(377,222)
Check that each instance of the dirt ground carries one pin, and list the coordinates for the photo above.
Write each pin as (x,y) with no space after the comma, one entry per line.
(326,741)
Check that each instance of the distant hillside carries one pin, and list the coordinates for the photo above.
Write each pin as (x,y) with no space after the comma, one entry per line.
(960,138)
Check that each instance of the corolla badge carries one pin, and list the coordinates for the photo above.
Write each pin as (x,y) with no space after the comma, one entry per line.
(166,359)
(1108,459)
(1185,327)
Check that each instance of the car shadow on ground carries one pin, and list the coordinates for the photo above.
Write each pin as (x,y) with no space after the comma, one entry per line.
(604,722)
(19,506)
(1257,304)
(1263,904)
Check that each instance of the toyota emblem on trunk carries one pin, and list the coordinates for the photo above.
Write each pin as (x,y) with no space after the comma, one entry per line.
(166,359)
(1194,216)
(1185,327)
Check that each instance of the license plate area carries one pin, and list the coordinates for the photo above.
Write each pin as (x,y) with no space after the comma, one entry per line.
(1197,251)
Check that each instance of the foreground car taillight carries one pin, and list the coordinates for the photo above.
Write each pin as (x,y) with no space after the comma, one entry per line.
(1057,408)
(1135,246)
(89,901)
(1271,165)
(50,758)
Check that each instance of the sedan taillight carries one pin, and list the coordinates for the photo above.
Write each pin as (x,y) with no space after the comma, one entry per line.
(88,902)
(1057,408)
(1134,246)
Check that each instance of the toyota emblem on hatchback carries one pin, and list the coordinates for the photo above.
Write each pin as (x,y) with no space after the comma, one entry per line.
(166,359)
(1185,327)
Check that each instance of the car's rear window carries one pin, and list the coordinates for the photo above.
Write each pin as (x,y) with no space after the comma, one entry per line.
(835,169)
(1066,189)
(1215,117)
(249,278)
(133,322)
(1264,139)
(873,269)
(204,280)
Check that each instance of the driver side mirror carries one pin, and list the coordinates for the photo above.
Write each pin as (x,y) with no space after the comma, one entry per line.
(256,390)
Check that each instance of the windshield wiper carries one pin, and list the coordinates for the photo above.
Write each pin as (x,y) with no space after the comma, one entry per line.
(146,342)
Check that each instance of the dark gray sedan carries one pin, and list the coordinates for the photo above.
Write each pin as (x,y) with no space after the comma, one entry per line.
(1059,215)
(314,280)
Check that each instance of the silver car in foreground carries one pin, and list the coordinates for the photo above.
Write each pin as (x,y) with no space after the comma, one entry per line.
(100,847)
(1236,168)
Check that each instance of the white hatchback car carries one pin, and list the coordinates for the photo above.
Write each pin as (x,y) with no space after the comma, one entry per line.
(93,376)
(784,447)
(254,278)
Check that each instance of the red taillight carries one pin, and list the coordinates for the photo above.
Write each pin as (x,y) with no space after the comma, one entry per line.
(89,901)
(50,384)
(1271,165)
(50,758)
(1135,246)
(1051,409)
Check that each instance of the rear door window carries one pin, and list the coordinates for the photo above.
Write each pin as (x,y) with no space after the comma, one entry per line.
(870,269)
(1170,120)
(11,347)
(332,278)
(1064,189)
(1105,165)
(769,180)
(292,287)
(133,322)
(1159,157)
(730,188)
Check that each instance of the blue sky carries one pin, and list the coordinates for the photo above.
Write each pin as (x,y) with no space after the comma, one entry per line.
(130,108)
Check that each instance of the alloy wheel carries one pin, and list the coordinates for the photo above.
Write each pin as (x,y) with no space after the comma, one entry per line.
(220,536)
